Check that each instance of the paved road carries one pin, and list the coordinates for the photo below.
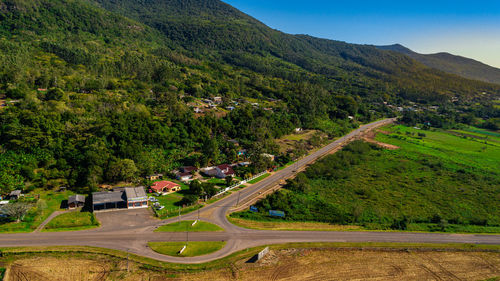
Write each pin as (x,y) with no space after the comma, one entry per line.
(131,230)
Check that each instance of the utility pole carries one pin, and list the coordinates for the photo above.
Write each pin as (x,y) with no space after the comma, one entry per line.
(237,203)
(198,214)
(179,214)
(187,234)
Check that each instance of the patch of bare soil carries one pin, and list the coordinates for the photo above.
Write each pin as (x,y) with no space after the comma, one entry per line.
(290,264)
(370,137)
(338,264)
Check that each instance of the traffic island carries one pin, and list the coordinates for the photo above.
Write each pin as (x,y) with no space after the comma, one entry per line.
(192,249)
(191,226)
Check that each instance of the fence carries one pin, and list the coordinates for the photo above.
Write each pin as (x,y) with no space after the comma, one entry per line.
(240,183)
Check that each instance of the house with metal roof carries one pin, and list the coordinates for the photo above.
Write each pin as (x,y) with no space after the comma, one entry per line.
(123,198)
(108,200)
(75,201)
(136,197)
(15,194)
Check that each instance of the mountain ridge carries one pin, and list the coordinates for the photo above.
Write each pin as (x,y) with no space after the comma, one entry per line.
(459,65)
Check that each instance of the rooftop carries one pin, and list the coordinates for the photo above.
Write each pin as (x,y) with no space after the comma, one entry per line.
(135,193)
(108,197)
(76,198)
(161,185)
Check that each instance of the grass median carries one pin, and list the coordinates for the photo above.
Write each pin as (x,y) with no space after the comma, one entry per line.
(193,249)
(182,226)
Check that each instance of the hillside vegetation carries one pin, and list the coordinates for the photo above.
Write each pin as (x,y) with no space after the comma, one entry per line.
(436,181)
(98,91)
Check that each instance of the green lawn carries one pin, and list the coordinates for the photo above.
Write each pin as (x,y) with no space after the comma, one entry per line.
(193,249)
(436,181)
(216,181)
(259,178)
(72,221)
(172,205)
(49,202)
(182,226)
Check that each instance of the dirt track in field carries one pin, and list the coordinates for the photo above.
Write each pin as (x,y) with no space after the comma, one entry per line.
(292,264)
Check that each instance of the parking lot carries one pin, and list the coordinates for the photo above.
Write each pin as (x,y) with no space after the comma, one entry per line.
(125,219)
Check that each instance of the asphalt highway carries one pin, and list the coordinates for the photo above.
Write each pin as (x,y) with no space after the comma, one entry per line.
(131,230)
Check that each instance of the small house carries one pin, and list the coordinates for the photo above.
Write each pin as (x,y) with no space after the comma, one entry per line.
(224,171)
(269,156)
(209,171)
(76,201)
(165,187)
(217,100)
(15,194)
(188,169)
(184,176)
(154,177)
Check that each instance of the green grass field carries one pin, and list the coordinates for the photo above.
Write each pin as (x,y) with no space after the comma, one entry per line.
(259,178)
(436,181)
(72,221)
(49,202)
(193,249)
(182,226)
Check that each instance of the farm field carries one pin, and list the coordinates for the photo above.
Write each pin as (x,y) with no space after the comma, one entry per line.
(72,221)
(279,264)
(434,181)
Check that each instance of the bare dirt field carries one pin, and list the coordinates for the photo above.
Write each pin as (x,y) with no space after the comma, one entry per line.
(370,137)
(291,264)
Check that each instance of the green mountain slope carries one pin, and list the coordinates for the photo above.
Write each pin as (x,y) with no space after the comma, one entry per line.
(213,27)
(102,95)
(446,62)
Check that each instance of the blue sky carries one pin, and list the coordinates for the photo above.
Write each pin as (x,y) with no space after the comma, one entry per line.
(467,28)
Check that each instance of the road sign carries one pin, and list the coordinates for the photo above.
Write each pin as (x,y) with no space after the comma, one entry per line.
(277,213)
(254,209)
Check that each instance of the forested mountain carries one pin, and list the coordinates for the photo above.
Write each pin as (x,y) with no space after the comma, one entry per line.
(446,62)
(99,90)
(213,27)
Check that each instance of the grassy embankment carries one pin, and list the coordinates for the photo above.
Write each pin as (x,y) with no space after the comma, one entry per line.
(182,226)
(256,180)
(49,202)
(436,181)
(72,221)
(193,249)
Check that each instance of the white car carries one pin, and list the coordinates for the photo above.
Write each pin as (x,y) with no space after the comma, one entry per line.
(160,208)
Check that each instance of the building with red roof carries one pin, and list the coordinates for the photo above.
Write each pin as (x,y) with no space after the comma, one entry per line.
(165,187)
